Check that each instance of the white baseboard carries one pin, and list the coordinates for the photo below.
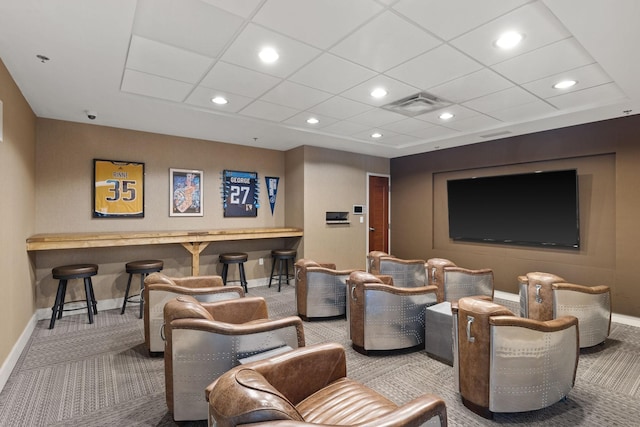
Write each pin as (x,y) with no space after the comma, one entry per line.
(16,351)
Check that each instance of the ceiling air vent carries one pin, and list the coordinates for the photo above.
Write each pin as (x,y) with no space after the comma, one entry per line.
(417,104)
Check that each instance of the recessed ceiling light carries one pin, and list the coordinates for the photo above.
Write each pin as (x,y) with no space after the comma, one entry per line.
(313,121)
(376,135)
(509,40)
(379,92)
(220,100)
(446,116)
(564,84)
(268,55)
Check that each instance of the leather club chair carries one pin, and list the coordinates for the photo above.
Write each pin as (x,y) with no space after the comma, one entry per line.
(321,290)
(159,288)
(461,282)
(545,296)
(263,394)
(405,272)
(505,363)
(383,316)
(435,274)
(204,340)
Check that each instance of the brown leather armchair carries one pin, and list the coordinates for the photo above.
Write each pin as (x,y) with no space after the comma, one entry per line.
(405,272)
(464,282)
(545,296)
(159,288)
(204,340)
(309,386)
(320,289)
(435,274)
(383,316)
(505,363)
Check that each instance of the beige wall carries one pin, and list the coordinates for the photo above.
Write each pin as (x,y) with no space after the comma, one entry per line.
(17,212)
(65,153)
(606,155)
(334,181)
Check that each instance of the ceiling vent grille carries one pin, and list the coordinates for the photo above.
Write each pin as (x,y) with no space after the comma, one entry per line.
(417,104)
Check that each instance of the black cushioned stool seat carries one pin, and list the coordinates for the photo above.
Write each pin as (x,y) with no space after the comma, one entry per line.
(69,272)
(282,257)
(234,258)
(143,268)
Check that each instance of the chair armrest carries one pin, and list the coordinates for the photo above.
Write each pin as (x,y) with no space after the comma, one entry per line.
(241,310)
(412,414)
(601,289)
(183,290)
(222,328)
(329,265)
(198,281)
(431,289)
(558,324)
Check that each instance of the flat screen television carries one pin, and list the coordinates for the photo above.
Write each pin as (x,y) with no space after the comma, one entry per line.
(534,209)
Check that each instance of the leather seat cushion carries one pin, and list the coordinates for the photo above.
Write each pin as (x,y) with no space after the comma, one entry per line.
(344,402)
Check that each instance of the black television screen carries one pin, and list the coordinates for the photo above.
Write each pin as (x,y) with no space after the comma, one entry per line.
(526,209)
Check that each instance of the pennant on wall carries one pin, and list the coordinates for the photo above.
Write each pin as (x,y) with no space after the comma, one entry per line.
(272,190)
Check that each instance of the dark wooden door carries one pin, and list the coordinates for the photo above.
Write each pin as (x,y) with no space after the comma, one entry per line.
(378,213)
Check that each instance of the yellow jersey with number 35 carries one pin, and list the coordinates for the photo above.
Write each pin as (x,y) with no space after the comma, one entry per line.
(118,188)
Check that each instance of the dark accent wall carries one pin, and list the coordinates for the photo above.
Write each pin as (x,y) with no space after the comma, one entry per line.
(607,157)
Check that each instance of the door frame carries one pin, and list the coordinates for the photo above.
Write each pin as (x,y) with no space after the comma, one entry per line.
(370,174)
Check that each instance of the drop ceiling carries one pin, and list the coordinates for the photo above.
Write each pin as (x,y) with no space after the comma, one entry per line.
(155,65)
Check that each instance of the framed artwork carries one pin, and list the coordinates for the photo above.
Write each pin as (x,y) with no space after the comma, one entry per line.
(240,194)
(185,198)
(118,189)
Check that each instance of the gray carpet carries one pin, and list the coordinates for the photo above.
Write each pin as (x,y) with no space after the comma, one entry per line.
(99,375)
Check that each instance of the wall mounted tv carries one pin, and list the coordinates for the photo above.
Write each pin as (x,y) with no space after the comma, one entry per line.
(535,209)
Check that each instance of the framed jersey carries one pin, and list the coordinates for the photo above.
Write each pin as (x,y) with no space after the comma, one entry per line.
(118,190)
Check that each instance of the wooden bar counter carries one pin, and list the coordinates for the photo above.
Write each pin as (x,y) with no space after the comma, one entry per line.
(194,241)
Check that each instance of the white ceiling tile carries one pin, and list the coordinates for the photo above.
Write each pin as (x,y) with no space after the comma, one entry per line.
(157,58)
(534,20)
(433,132)
(384,42)
(499,100)
(345,128)
(474,124)
(319,23)
(435,67)
(398,140)
(244,51)
(459,113)
(366,135)
(189,24)
(549,60)
(451,18)
(295,96)
(154,86)
(377,117)
(332,74)
(235,79)
(300,120)
(267,111)
(395,90)
(524,112)
(588,98)
(406,126)
(201,97)
(340,108)
(242,8)
(587,76)
(471,86)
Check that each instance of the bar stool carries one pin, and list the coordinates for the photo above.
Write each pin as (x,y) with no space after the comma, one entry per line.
(282,257)
(68,272)
(234,258)
(143,268)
